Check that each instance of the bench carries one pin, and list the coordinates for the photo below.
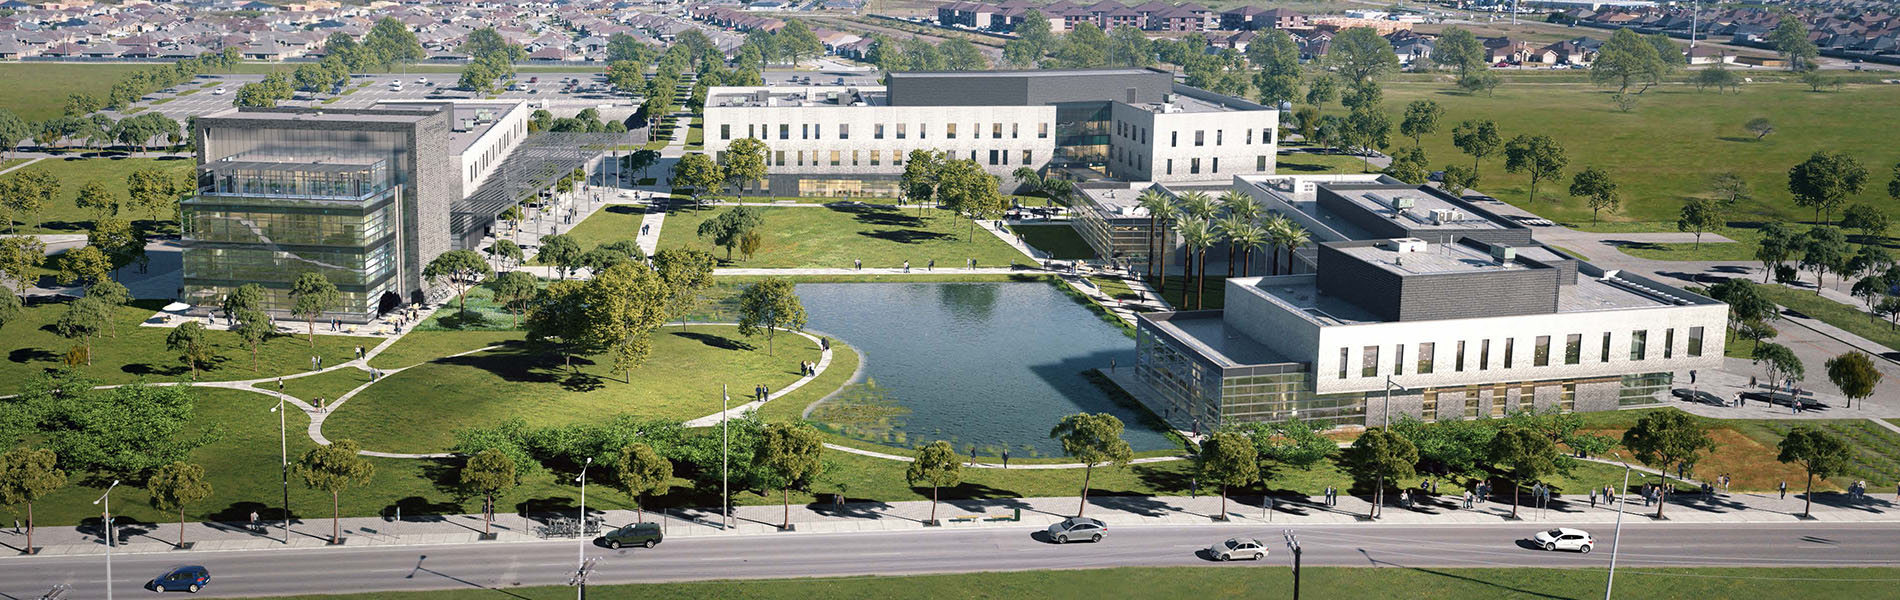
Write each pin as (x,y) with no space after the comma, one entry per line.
(966,518)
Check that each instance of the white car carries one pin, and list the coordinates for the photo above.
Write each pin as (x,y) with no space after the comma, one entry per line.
(422,80)
(1237,548)
(1565,538)
(217,92)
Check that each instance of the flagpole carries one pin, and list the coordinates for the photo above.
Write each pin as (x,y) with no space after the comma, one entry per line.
(725,443)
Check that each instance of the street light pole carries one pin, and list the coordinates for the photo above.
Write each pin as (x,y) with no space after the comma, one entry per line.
(580,547)
(725,442)
(1386,418)
(283,458)
(1293,543)
(1617,537)
(106,523)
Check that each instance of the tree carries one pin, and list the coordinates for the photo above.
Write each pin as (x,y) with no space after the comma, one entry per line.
(10,308)
(1729,188)
(1033,40)
(1380,454)
(1718,77)
(85,264)
(1409,165)
(1668,439)
(1161,208)
(1594,185)
(1529,455)
(1278,58)
(728,228)
(1228,459)
(1321,89)
(188,340)
(1198,236)
(1094,439)
(334,468)
(1537,156)
(1823,249)
(1819,453)
(1459,49)
(697,172)
(462,269)
(965,188)
(1368,128)
(1478,139)
(176,485)
(561,251)
(1084,47)
(1421,119)
(125,432)
(961,55)
(1459,178)
(26,476)
(922,170)
(13,130)
(770,305)
(1783,366)
(1872,222)
(20,259)
(96,198)
(1760,126)
(513,290)
(1825,180)
(1626,59)
(312,294)
(1291,236)
(1359,54)
(30,191)
(506,251)
(1777,245)
(1745,303)
(936,464)
(84,320)
(153,191)
(488,472)
(685,273)
(797,42)
(1790,39)
(1854,374)
(744,163)
(788,458)
(641,471)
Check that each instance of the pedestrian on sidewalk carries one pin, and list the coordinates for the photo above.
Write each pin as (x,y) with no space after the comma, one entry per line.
(907,266)
(857,264)
(1593,498)
(280,384)
(1784,490)
(1467,499)
(1005,457)
(932,266)
(1194,487)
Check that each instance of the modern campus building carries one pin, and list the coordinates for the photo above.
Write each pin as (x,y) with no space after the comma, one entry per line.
(1130,124)
(365,197)
(1452,310)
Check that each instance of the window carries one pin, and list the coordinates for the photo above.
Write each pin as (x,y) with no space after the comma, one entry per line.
(1174,139)
(1606,346)
(1015,130)
(784,131)
(779,157)
(996,131)
(1669,343)
(1144,135)
(1170,166)
(1425,350)
(1398,359)
(1200,137)
(1573,349)
(804,131)
(877,131)
(1250,136)
(1194,166)
(1458,360)
(1216,168)
(900,131)
(1369,361)
(1540,353)
(877,157)
(922,132)
(725,131)
(749,130)
(1028,157)
(1344,356)
(1042,130)
(1219,134)
(1639,339)
(992,157)
(1695,342)
(950,131)
(1260,163)
(1484,355)
(835,155)
(897,158)
(1510,344)
(854,158)
(1266,135)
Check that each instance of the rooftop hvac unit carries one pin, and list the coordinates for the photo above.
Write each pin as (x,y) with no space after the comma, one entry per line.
(1442,216)
(1403,203)
(1168,109)
(1408,245)
(1503,254)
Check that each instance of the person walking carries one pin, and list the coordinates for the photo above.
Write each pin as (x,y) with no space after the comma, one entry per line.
(280,385)
(1784,490)
(1006,457)
(907,266)
(1593,498)
(857,264)
(931,266)
(1467,499)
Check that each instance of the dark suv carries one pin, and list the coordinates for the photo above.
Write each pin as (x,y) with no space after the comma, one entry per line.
(637,534)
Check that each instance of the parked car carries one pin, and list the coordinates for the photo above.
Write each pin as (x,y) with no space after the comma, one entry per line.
(188,579)
(638,534)
(1565,538)
(422,80)
(534,80)
(1237,548)
(1077,528)
(218,92)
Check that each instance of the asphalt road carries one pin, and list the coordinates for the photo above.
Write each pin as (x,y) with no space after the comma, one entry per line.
(352,570)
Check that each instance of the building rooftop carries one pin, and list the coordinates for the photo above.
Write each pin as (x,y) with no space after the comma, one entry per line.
(1039,73)
(831,95)
(321,115)
(1417,209)
(1120,200)
(1213,338)
(471,119)
(1595,290)
(1415,257)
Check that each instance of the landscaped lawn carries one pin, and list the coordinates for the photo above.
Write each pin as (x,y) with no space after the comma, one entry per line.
(1667,148)
(1307,163)
(1060,241)
(1746,449)
(38,91)
(139,352)
(417,410)
(418,347)
(1851,318)
(330,386)
(832,237)
(62,216)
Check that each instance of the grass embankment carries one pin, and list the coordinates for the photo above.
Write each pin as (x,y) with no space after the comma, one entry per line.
(1060,241)
(829,237)
(1307,163)
(133,352)
(63,216)
(1746,450)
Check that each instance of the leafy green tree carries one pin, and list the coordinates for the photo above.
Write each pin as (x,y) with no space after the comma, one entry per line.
(311,294)
(121,243)
(697,172)
(1197,235)
(1854,373)
(1459,49)
(922,172)
(461,269)
(81,104)
(95,197)
(1872,222)
(13,130)
(1668,439)
(489,472)
(561,251)
(125,432)
(729,227)
(798,42)
(1278,58)
(1528,455)
(686,273)
(10,308)
(1363,95)
(1823,249)
(26,476)
(1595,187)
(641,471)
(1360,54)
(768,306)
(513,290)
(1824,181)
(1450,447)
(1783,365)
(1459,178)
(625,303)
(1033,40)
(1537,156)
(964,187)
(744,162)
(1380,455)
(1421,119)
(1819,453)
(1700,215)
(1084,47)
(1410,165)
(1777,245)
(175,486)
(20,258)
(30,191)
(188,340)
(153,191)
(392,42)
(86,264)
(936,464)
(1627,59)
(84,319)
(1094,439)
(1369,128)
(1321,89)
(1229,459)
(789,457)
(961,55)
(506,251)
(1790,39)
(334,469)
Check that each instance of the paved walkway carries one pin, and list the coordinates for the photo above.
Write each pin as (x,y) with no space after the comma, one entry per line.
(824,362)
(23,164)
(312,530)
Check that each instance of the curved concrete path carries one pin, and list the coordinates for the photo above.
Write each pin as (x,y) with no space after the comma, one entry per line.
(824,361)
(984,465)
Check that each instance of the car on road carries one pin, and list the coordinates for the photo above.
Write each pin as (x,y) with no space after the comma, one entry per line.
(422,81)
(218,92)
(1077,528)
(1564,538)
(534,80)
(1237,548)
(181,579)
(638,534)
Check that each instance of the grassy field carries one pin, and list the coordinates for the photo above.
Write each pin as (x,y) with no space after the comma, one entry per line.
(1746,449)
(62,216)
(1667,148)
(417,410)
(38,91)
(881,236)
(330,386)
(1307,163)
(139,352)
(1850,318)
(417,347)
(1060,241)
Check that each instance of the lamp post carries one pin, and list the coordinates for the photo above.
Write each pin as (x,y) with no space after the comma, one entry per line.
(725,442)
(106,523)
(1386,418)
(1293,543)
(283,459)
(580,547)
(1617,537)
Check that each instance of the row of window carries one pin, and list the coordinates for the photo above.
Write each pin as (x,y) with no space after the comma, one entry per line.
(1424,359)
(815,131)
(837,158)
(1139,134)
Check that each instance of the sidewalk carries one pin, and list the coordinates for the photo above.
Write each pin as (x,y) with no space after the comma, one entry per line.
(1036,513)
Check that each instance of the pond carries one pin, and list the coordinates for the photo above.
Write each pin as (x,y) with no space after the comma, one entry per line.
(983,364)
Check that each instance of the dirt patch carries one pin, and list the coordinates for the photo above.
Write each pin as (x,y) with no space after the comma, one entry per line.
(1750,463)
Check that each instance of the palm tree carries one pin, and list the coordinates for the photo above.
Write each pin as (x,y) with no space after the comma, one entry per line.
(1198,236)
(1295,237)
(1227,226)
(1248,238)
(1199,205)
(1275,230)
(1160,209)
(1240,204)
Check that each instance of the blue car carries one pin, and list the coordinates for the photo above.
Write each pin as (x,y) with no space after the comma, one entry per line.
(188,579)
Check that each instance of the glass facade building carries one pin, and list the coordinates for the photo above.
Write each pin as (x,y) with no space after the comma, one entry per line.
(1082,130)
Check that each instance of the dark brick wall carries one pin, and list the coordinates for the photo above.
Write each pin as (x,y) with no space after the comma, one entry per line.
(1013,89)
(1361,283)
(1500,293)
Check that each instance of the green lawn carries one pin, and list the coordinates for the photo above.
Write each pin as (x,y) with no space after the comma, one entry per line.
(417,410)
(828,237)
(330,386)
(1851,318)
(1060,241)
(1747,238)
(1746,449)
(38,91)
(139,352)
(1248,582)
(1668,147)
(417,347)
(1306,163)
(61,215)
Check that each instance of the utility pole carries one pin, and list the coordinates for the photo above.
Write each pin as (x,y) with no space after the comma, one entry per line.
(1386,419)
(1293,543)
(580,546)
(283,458)
(1617,538)
(106,522)
(1695,18)
(725,463)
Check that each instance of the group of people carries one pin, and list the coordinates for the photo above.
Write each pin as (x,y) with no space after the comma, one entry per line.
(968,263)
(807,368)
(760,393)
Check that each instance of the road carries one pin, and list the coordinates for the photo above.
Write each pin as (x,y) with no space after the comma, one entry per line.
(356,570)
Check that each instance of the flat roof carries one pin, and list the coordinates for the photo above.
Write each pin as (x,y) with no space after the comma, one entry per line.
(1183,103)
(1380,201)
(1118,199)
(320,115)
(790,96)
(1433,260)
(1211,337)
(1027,73)
(1301,292)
